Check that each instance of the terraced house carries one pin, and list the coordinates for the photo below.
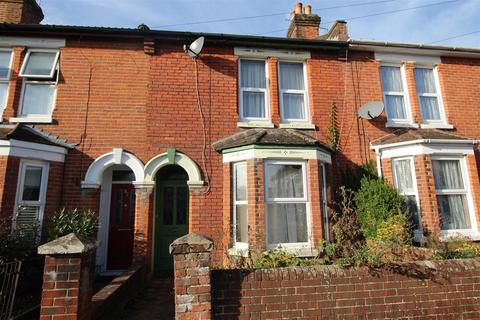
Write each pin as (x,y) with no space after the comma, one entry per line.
(235,144)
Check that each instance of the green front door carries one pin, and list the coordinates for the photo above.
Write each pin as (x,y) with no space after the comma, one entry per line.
(171,220)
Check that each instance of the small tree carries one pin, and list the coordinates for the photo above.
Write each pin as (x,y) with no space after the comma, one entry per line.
(65,221)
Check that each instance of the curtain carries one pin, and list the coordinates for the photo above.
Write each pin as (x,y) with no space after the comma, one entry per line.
(429,108)
(424,80)
(241,223)
(253,74)
(447,174)
(3,94)
(453,212)
(291,76)
(240,182)
(285,181)
(391,79)
(403,175)
(38,99)
(40,63)
(395,107)
(293,106)
(5,57)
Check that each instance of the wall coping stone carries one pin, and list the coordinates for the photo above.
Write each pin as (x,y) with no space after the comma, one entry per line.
(69,244)
(191,243)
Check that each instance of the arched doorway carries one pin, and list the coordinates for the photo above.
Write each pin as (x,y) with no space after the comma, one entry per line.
(171,214)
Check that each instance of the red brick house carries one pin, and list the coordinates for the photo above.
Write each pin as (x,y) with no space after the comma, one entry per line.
(234,144)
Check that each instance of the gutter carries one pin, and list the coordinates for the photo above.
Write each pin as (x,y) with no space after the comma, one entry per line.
(420,141)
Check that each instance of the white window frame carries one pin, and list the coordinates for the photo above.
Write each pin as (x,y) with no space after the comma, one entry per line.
(235,202)
(437,95)
(6,80)
(265,91)
(393,122)
(27,57)
(473,231)
(293,245)
(293,91)
(418,233)
(42,194)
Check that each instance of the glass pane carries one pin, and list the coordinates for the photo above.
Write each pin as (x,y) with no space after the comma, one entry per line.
(3,94)
(285,181)
(293,106)
(403,175)
(40,63)
(424,80)
(241,182)
(412,211)
(38,99)
(395,107)
(391,79)
(118,205)
(5,57)
(32,183)
(242,223)
(253,104)
(447,174)
(123,175)
(453,212)
(182,205)
(252,74)
(286,223)
(429,108)
(291,76)
(168,201)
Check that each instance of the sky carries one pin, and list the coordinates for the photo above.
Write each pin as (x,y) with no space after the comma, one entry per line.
(438,21)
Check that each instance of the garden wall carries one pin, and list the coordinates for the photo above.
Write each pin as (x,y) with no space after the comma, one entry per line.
(425,290)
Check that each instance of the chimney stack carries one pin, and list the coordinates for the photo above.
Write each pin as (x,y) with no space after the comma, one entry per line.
(304,24)
(20,12)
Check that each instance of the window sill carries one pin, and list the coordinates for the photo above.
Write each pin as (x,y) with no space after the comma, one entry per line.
(306,252)
(436,126)
(401,125)
(32,119)
(255,124)
(451,234)
(297,125)
(238,252)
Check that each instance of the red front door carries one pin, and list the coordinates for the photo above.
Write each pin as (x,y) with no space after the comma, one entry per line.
(122,219)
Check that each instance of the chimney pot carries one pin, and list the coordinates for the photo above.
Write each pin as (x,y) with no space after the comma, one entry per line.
(298,8)
(308,9)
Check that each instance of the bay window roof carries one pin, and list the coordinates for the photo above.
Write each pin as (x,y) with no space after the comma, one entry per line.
(404,135)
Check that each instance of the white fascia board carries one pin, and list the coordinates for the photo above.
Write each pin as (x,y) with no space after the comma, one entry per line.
(31,150)
(274,153)
(32,42)
(265,53)
(381,48)
(422,148)
(405,57)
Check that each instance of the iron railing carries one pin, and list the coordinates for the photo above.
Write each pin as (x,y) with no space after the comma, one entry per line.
(9,273)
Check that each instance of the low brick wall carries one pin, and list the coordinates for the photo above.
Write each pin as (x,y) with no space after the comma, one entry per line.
(450,289)
(109,302)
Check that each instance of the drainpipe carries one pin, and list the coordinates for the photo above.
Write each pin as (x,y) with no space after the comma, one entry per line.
(378,153)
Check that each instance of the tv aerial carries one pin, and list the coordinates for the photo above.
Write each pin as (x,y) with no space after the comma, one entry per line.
(195,48)
(370,110)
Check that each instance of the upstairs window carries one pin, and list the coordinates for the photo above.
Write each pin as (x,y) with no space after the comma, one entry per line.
(452,193)
(286,204)
(428,95)
(293,94)
(5,67)
(240,202)
(40,73)
(394,94)
(253,90)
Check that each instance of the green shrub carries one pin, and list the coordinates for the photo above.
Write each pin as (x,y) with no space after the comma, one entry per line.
(279,259)
(377,202)
(454,248)
(65,221)
(395,230)
(18,244)
(362,256)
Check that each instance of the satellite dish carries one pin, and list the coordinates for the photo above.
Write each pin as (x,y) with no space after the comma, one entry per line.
(370,110)
(195,48)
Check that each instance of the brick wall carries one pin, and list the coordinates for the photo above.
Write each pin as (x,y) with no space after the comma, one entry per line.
(20,11)
(446,289)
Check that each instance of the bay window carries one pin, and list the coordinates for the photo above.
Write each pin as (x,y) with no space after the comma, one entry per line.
(452,193)
(5,67)
(286,204)
(395,94)
(405,182)
(293,94)
(240,209)
(40,73)
(253,93)
(428,95)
